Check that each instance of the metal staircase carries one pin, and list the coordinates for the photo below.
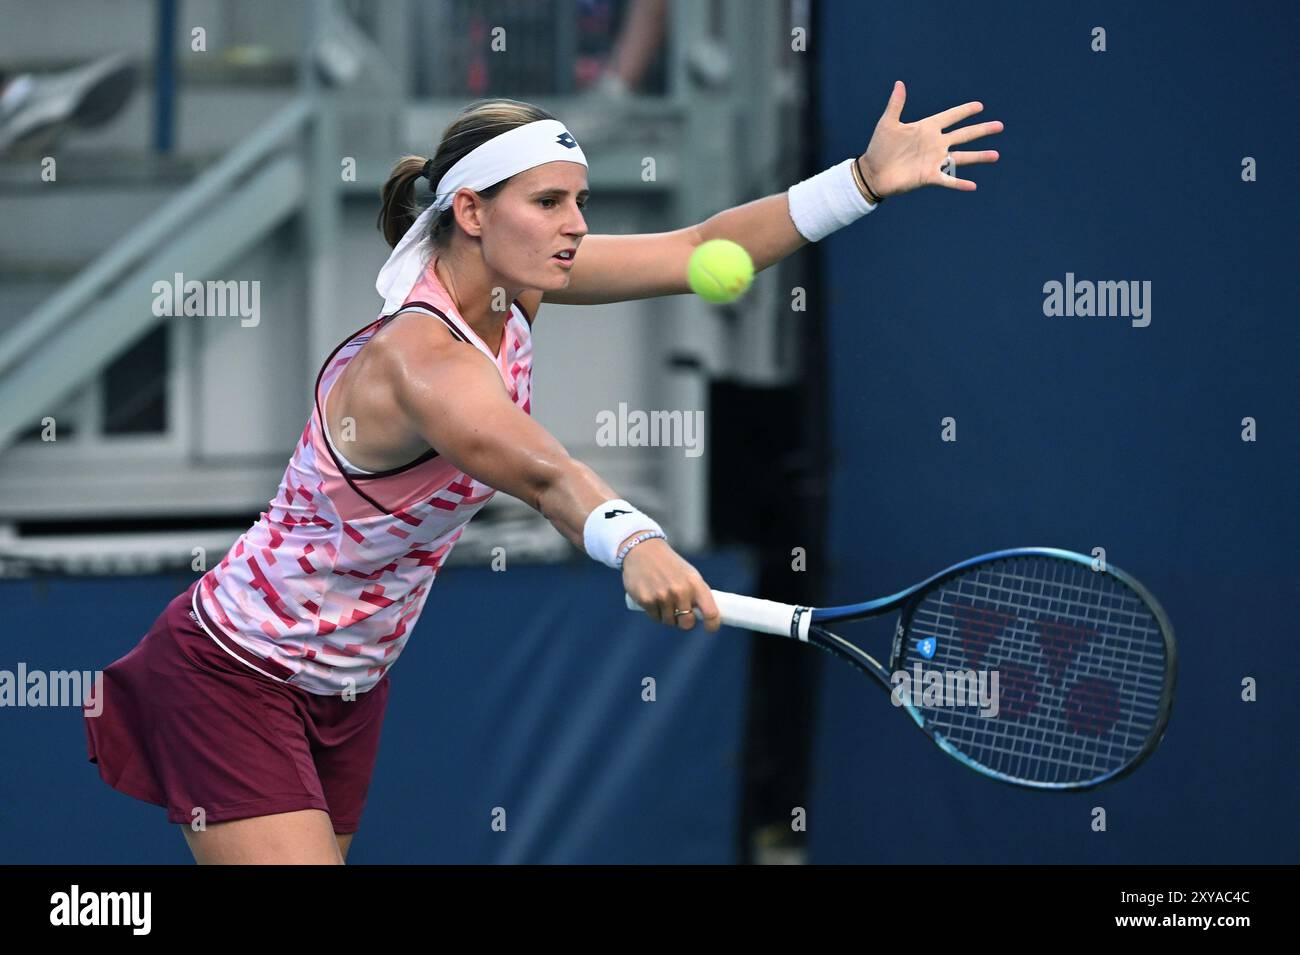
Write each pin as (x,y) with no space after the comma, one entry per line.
(257,194)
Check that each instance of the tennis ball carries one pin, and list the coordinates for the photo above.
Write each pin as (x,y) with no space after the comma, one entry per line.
(719,271)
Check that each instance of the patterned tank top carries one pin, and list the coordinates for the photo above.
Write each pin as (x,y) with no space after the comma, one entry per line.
(322,592)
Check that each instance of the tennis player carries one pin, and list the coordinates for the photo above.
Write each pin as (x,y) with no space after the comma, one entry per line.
(252,708)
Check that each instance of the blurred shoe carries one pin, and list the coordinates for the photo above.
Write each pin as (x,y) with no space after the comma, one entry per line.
(35,111)
(611,87)
(599,111)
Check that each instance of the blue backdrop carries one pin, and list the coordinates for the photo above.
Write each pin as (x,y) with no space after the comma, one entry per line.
(1074,432)
(520,689)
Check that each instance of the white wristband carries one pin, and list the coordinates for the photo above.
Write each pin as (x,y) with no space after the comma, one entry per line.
(826,202)
(609,525)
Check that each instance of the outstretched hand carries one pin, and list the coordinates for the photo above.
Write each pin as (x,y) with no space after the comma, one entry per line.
(906,156)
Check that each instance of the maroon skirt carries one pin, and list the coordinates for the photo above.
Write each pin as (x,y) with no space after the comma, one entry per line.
(184,724)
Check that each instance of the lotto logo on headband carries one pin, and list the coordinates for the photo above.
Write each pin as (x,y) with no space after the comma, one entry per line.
(565,140)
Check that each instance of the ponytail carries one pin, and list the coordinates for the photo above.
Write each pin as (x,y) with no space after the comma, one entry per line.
(476,124)
(398,210)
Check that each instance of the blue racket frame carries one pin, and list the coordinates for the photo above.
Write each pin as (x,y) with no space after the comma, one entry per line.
(910,598)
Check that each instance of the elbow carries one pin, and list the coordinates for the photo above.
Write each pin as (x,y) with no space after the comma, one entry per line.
(543,475)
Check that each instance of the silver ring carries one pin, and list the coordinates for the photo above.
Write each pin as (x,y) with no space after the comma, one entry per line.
(679,613)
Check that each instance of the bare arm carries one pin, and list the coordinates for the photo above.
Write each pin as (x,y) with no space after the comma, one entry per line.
(899,158)
(619,268)
(455,399)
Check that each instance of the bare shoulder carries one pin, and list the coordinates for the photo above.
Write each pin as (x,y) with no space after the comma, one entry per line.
(422,360)
(410,346)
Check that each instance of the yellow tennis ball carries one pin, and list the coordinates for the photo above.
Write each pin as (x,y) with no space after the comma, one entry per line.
(719,271)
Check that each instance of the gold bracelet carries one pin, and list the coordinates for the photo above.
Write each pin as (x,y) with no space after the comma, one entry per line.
(866,190)
(857,181)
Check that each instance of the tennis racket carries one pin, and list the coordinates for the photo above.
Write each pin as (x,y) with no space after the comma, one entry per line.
(1084,658)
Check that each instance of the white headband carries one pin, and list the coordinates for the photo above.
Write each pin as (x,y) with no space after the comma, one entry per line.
(501,157)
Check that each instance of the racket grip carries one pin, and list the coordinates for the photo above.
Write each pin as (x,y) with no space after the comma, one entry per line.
(752,613)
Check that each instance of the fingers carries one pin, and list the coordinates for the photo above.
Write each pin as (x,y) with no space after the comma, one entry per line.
(694,597)
(951,117)
(670,590)
(687,599)
(966,157)
(947,179)
(894,108)
(708,608)
(967,133)
(665,609)
(681,621)
(700,600)
(664,606)
(952,182)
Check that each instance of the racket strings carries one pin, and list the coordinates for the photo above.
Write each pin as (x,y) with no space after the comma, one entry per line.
(1080,660)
